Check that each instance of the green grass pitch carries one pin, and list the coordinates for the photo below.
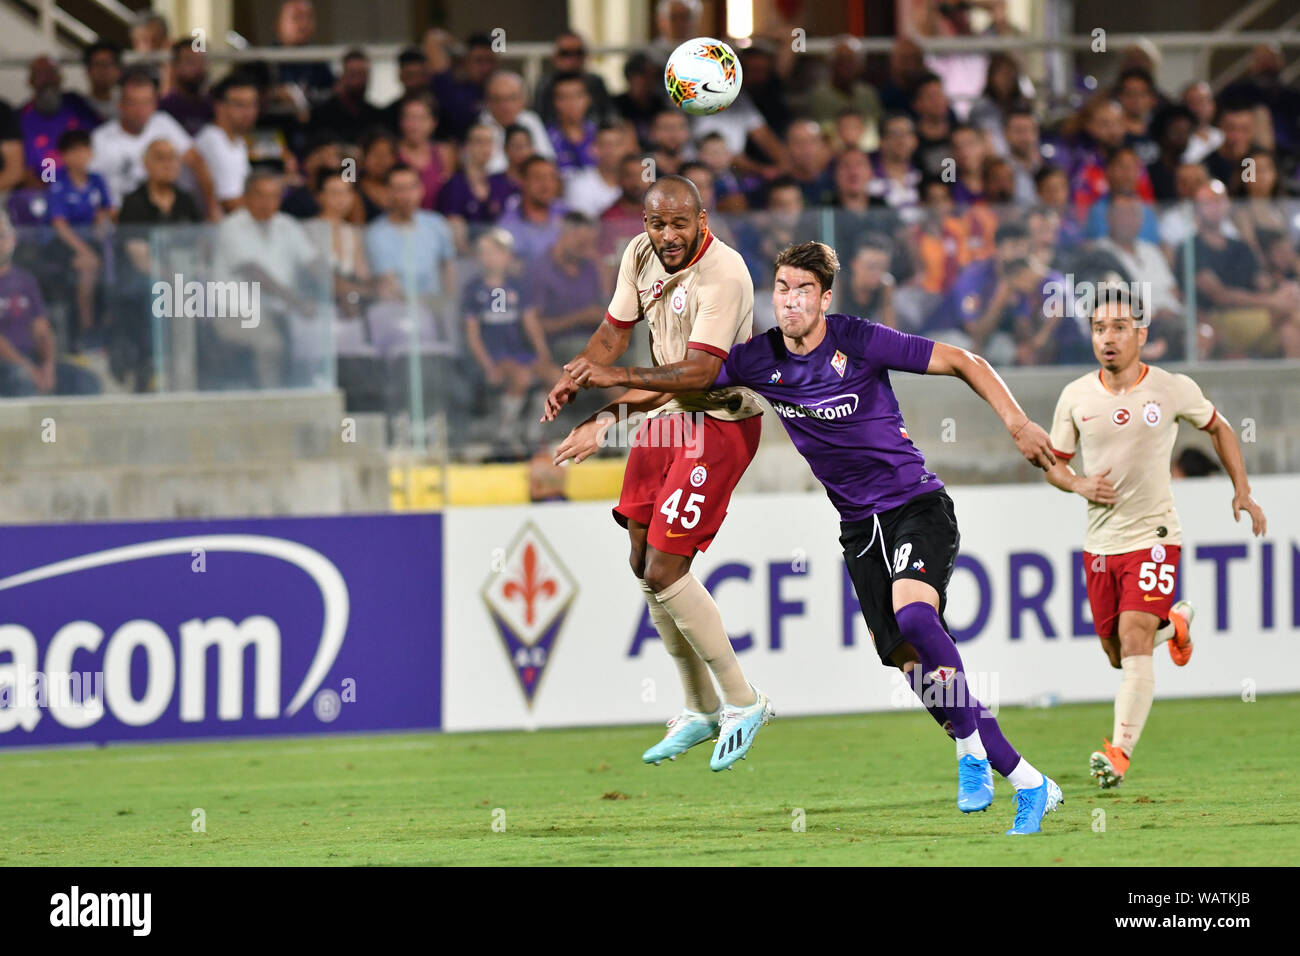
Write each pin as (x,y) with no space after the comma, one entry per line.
(1214,783)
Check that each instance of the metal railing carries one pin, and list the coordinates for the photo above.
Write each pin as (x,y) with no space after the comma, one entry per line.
(541,51)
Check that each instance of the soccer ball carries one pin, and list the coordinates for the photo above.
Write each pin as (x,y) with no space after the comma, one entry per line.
(703,76)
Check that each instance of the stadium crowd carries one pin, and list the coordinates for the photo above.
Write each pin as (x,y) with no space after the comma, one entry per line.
(965,208)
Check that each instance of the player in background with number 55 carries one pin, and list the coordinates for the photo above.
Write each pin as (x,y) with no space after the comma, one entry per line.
(1123,420)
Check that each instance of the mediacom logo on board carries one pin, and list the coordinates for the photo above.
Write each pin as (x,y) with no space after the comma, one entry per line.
(23,694)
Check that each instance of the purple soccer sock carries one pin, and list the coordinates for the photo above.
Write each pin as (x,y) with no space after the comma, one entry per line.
(1002,756)
(943,677)
(935,710)
(920,626)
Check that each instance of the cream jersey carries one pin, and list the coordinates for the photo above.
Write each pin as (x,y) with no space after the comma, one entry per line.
(1131,433)
(707,304)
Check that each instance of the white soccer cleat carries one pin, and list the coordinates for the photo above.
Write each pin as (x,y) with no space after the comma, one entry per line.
(684,731)
(737,728)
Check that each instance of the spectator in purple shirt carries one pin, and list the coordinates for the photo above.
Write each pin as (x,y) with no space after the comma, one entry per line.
(48,115)
(472,195)
(534,219)
(28,364)
(572,134)
(188,100)
(566,289)
(461,95)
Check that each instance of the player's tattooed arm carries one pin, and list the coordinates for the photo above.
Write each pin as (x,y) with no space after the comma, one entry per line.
(975,371)
(586,439)
(698,371)
(607,344)
(1228,449)
(604,347)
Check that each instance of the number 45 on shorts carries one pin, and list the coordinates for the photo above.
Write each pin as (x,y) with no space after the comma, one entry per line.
(690,513)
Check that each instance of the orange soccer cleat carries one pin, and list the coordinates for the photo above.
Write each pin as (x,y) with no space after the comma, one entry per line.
(1180,645)
(1108,765)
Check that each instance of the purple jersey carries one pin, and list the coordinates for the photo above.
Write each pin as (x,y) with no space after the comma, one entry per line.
(21,305)
(840,411)
(456,198)
(570,155)
(41,133)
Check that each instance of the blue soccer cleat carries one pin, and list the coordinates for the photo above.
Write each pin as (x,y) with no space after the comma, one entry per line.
(1032,805)
(974,784)
(684,731)
(737,728)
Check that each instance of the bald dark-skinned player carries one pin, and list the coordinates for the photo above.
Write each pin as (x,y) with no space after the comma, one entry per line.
(697,299)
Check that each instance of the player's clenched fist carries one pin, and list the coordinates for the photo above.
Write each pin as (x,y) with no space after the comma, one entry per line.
(588,375)
(1034,445)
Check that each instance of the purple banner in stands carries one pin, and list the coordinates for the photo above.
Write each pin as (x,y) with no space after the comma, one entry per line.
(220,628)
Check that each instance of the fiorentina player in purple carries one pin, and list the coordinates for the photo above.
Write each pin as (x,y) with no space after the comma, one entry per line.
(827,377)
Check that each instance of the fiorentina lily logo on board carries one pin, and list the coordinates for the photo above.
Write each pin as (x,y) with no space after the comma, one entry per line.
(528,601)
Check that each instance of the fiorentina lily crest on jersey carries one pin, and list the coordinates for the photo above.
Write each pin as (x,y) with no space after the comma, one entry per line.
(528,594)
(839,362)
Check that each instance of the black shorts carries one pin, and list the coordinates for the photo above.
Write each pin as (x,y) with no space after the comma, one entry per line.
(916,540)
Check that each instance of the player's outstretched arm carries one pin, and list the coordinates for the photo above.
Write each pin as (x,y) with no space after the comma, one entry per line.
(584,441)
(697,372)
(604,347)
(988,385)
(1228,449)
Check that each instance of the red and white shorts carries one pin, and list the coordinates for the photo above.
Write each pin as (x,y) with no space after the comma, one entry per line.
(680,475)
(1145,580)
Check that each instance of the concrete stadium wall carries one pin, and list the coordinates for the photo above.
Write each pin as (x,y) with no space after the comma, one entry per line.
(190,456)
(231,455)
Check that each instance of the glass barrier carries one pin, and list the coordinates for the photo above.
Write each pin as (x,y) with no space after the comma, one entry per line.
(455,332)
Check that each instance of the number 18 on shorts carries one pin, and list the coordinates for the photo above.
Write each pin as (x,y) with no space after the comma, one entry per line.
(1145,580)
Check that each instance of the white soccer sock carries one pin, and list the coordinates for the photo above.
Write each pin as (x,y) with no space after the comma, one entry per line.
(697,684)
(1163,633)
(1025,777)
(1133,702)
(697,618)
(971,745)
